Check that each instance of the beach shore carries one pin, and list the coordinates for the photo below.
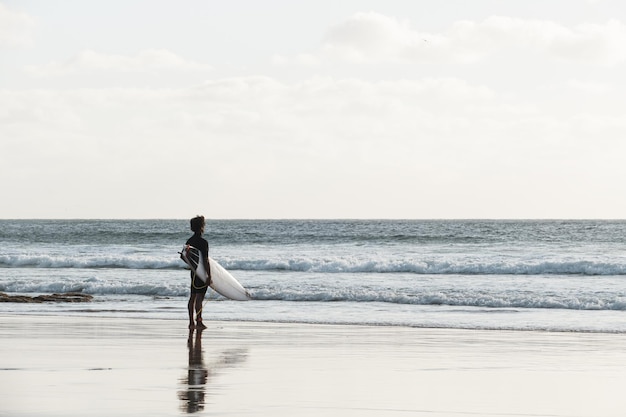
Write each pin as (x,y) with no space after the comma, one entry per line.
(84,366)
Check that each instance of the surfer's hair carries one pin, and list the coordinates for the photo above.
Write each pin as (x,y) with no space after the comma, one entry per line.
(197,223)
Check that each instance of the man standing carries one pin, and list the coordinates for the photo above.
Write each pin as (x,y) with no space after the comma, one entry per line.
(198,286)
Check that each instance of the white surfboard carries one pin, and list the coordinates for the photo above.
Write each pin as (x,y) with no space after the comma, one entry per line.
(222,281)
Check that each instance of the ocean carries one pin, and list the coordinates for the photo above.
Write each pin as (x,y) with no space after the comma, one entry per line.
(565,276)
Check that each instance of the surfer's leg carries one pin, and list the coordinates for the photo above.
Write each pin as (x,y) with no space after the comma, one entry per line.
(199,298)
(190,305)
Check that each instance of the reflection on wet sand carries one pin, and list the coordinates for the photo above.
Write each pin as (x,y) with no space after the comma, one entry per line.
(200,374)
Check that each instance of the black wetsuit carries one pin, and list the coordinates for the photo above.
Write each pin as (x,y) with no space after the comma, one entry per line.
(197,241)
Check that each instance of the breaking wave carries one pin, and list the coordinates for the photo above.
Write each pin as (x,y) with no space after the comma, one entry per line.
(494,299)
(329,266)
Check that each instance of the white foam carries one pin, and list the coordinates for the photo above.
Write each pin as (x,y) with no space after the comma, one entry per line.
(329,265)
(341,292)
(431,267)
(133,261)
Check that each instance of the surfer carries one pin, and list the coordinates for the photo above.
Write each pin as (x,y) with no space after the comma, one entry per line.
(198,287)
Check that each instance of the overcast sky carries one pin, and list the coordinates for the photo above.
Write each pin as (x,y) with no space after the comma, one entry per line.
(313,109)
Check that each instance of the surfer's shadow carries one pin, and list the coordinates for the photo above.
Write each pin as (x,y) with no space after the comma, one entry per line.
(202,374)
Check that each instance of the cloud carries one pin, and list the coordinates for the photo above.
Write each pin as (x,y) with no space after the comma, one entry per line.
(372,37)
(593,43)
(89,61)
(409,143)
(305,60)
(15,28)
(588,86)
(252,119)
(603,44)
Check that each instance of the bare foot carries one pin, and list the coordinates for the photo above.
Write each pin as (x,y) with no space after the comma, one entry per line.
(191,326)
(200,326)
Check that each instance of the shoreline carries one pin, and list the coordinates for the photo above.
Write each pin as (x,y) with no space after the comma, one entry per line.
(95,316)
(76,365)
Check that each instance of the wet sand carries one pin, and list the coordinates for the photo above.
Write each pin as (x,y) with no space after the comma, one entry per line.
(79,366)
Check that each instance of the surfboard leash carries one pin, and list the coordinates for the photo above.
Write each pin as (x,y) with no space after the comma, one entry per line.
(193,279)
